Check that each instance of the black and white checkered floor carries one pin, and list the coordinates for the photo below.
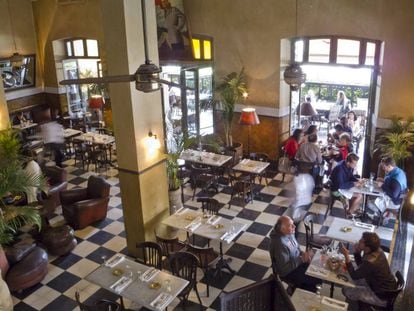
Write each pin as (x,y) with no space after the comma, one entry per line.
(250,258)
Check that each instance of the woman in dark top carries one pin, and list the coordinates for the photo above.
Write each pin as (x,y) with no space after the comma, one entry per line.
(372,275)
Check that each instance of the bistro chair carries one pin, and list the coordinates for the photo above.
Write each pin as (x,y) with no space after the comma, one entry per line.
(262,157)
(151,254)
(169,246)
(209,205)
(101,305)
(184,265)
(314,240)
(206,257)
(391,296)
(241,185)
(79,152)
(201,177)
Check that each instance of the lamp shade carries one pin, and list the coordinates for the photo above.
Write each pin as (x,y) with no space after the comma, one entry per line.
(306,110)
(96,102)
(249,117)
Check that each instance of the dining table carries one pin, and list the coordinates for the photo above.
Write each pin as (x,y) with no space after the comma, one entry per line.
(212,227)
(318,268)
(253,168)
(304,300)
(144,285)
(367,188)
(205,158)
(347,230)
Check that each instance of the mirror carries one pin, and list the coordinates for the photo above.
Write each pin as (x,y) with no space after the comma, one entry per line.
(17,75)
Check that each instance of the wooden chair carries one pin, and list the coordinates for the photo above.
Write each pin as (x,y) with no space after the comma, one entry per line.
(169,246)
(201,177)
(314,240)
(79,152)
(263,157)
(101,305)
(209,205)
(265,295)
(151,254)
(184,265)
(391,296)
(206,257)
(240,185)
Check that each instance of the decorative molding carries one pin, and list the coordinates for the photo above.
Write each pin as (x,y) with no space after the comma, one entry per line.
(265,111)
(23,93)
(55,90)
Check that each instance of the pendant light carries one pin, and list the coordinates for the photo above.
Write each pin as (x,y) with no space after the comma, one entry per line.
(16,57)
(293,75)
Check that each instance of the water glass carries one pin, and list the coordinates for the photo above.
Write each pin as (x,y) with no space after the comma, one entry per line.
(104,259)
(128,272)
(167,286)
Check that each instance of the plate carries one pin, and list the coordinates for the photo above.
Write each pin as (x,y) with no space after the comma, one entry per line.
(154,285)
(189,217)
(346,229)
(218,226)
(117,272)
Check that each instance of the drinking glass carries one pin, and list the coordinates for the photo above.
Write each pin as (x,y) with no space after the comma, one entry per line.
(318,290)
(128,272)
(167,286)
(104,259)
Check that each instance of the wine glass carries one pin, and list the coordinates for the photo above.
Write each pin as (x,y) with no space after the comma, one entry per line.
(318,290)
(167,285)
(128,272)
(104,258)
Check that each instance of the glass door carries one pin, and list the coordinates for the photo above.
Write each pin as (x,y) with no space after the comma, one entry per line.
(73,91)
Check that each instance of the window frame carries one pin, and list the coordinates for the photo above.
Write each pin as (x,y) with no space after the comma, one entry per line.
(85,48)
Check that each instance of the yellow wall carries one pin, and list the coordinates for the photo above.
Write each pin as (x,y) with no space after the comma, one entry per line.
(254,29)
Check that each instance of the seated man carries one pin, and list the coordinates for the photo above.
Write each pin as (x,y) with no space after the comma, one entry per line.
(394,184)
(343,178)
(333,138)
(287,259)
(372,274)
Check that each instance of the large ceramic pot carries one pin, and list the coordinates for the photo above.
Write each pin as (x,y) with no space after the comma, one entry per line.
(174,199)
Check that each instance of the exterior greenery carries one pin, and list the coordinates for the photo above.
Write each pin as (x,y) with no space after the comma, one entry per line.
(329,92)
(14,181)
(398,140)
(230,90)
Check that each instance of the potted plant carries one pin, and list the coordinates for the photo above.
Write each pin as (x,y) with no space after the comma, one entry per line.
(398,140)
(14,181)
(231,90)
(176,145)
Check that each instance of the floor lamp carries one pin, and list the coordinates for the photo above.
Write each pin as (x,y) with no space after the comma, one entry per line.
(249,117)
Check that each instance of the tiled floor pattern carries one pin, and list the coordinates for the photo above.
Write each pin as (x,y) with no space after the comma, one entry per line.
(249,253)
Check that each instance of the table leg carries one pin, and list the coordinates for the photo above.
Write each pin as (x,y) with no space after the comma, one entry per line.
(332,290)
(222,263)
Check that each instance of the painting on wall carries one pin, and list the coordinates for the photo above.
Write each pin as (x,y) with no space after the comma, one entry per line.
(17,75)
(174,38)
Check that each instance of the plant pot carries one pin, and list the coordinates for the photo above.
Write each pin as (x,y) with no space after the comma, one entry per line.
(174,197)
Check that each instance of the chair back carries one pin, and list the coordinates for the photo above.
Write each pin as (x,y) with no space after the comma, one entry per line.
(98,187)
(101,305)
(259,296)
(308,223)
(392,295)
(259,156)
(168,245)
(55,174)
(209,205)
(205,255)
(184,265)
(151,254)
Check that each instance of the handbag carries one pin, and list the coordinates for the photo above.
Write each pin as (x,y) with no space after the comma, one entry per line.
(284,165)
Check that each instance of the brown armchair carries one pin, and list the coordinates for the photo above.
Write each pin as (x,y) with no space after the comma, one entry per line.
(82,207)
(56,177)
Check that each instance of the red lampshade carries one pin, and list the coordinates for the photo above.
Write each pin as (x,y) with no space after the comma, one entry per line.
(96,102)
(249,117)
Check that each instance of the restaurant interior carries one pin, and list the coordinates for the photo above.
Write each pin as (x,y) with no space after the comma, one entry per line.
(158,129)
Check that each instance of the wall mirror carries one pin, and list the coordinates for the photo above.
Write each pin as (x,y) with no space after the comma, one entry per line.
(18,74)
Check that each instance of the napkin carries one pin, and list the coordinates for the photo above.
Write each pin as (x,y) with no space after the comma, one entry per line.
(214,219)
(333,303)
(365,226)
(317,270)
(192,226)
(228,237)
(181,210)
(121,284)
(162,301)
(149,274)
(114,261)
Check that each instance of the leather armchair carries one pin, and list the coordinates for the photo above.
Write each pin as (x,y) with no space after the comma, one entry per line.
(82,207)
(56,177)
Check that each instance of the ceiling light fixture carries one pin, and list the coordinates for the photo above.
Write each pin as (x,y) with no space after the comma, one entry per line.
(293,75)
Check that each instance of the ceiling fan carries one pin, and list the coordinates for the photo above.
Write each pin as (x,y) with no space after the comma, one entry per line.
(147,77)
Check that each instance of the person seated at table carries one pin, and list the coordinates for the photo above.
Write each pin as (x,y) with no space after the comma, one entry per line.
(333,138)
(372,272)
(312,129)
(345,125)
(310,152)
(19,118)
(342,178)
(353,121)
(394,185)
(287,259)
(345,146)
(292,144)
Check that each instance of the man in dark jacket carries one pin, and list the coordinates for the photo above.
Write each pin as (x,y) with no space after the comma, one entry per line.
(373,274)
(287,259)
(342,178)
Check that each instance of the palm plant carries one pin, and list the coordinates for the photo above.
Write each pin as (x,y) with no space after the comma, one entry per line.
(14,181)
(398,140)
(231,91)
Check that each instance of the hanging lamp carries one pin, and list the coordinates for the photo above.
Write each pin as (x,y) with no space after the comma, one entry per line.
(293,74)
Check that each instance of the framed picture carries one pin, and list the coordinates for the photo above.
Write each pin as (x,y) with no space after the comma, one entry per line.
(17,75)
